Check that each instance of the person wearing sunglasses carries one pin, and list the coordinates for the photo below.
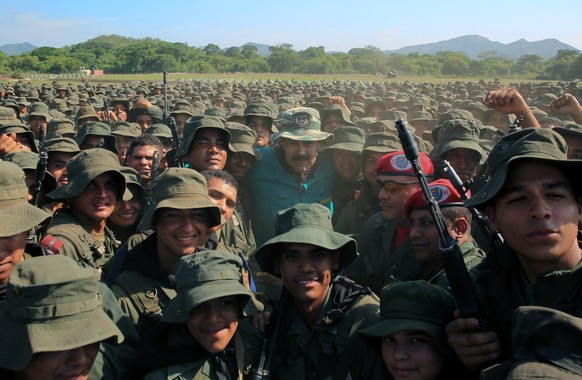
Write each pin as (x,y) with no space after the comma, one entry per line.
(384,240)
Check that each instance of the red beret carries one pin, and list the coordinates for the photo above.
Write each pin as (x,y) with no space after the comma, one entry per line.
(443,192)
(396,163)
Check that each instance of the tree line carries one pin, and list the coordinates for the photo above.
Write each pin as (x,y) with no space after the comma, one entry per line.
(124,55)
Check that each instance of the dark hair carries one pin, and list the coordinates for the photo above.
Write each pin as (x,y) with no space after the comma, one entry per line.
(222,175)
(450,214)
(143,140)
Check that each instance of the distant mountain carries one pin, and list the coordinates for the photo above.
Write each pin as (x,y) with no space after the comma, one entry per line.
(473,45)
(17,49)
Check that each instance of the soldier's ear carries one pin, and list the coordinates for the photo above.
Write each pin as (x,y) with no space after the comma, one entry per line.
(460,226)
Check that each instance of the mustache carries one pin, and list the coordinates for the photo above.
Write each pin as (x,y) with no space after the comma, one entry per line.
(301,157)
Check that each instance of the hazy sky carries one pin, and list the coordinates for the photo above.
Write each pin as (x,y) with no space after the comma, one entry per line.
(336,25)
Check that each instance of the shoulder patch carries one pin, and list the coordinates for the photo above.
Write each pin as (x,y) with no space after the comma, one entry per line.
(52,244)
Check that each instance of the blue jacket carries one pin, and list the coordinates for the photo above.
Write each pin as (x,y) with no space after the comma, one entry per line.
(273,188)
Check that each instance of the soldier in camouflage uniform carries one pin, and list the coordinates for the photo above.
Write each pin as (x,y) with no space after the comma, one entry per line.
(181,216)
(95,184)
(320,310)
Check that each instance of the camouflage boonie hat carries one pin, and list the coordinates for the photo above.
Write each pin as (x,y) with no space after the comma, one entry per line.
(301,124)
(383,142)
(97,128)
(242,139)
(20,216)
(205,276)
(348,138)
(183,189)
(197,123)
(51,305)
(456,133)
(60,127)
(414,305)
(537,144)
(124,128)
(546,345)
(307,224)
(84,168)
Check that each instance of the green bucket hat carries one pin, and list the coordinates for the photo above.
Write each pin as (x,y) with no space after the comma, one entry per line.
(134,184)
(86,112)
(309,224)
(84,168)
(414,305)
(242,139)
(39,109)
(301,124)
(383,142)
(348,138)
(456,133)
(100,129)
(51,305)
(183,189)
(197,123)
(546,345)
(159,130)
(124,128)
(60,127)
(337,110)
(182,107)
(28,161)
(61,144)
(14,202)
(7,113)
(537,144)
(16,127)
(204,276)
(569,130)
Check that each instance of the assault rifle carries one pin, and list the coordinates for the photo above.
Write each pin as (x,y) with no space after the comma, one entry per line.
(41,167)
(463,189)
(175,141)
(450,253)
(166,103)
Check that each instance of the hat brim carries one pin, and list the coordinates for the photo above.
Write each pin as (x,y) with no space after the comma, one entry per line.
(21,217)
(486,194)
(308,234)
(183,203)
(455,144)
(179,308)
(386,327)
(245,148)
(302,135)
(58,334)
(78,184)
(351,147)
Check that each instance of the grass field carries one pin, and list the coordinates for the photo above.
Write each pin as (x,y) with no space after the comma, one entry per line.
(179,77)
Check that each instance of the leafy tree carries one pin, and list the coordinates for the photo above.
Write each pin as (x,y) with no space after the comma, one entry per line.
(283,58)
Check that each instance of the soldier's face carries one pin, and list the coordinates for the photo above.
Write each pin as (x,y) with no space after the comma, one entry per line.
(463,160)
(57,166)
(126,213)
(223,195)
(262,126)
(181,231)
(141,159)
(11,254)
(410,354)
(574,147)
(68,364)
(332,122)
(239,164)
(393,200)
(346,164)
(144,121)
(424,235)
(214,322)
(208,151)
(96,203)
(300,155)
(181,120)
(538,215)
(369,166)
(306,270)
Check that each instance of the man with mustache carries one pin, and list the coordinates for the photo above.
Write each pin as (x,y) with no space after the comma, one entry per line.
(292,171)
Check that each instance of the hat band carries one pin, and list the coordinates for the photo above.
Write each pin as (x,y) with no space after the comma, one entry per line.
(213,276)
(54,310)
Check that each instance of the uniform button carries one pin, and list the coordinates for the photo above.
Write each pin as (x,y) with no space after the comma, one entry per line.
(484,195)
(179,312)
